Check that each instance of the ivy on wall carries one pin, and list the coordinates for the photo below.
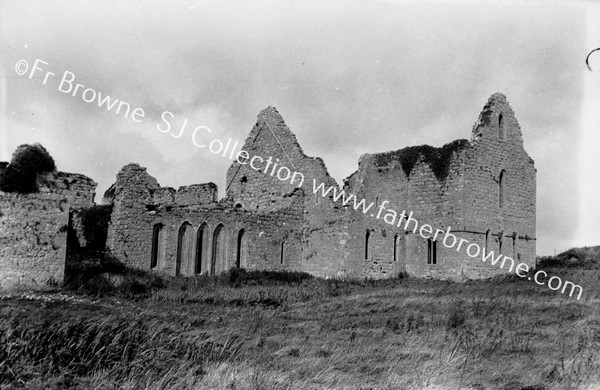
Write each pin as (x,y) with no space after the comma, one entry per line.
(438,159)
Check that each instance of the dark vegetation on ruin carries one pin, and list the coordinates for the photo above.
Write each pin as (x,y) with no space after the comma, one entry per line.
(20,175)
(438,159)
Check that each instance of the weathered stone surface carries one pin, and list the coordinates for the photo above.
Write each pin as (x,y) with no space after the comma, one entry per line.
(466,199)
(482,188)
(33,237)
(80,189)
(33,229)
(197,234)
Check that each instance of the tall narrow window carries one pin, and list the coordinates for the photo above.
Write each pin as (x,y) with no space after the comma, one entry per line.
(282,252)
(501,130)
(501,190)
(500,237)
(240,260)
(487,240)
(514,248)
(396,247)
(217,261)
(201,248)
(183,266)
(367,235)
(431,251)
(158,247)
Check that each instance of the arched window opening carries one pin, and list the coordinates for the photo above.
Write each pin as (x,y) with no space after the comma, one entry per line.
(242,249)
(514,245)
(201,248)
(158,245)
(501,130)
(501,190)
(367,235)
(217,261)
(431,251)
(183,265)
(282,252)
(396,248)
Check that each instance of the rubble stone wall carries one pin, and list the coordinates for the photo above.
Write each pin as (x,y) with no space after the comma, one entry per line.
(33,239)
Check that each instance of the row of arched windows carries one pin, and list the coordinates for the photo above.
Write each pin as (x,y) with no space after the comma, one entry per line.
(432,250)
(193,249)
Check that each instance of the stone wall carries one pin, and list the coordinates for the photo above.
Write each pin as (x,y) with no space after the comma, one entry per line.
(151,228)
(271,218)
(456,186)
(196,194)
(133,195)
(498,150)
(80,189)
(213,240)
(385,180)
(33,239)
(325,223)
(34,228)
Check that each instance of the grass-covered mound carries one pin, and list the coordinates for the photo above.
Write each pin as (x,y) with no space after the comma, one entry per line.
(576,258)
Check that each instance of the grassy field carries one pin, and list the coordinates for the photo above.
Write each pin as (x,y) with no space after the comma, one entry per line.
(124,329)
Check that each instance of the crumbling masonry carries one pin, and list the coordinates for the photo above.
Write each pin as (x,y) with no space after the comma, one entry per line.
(483,188)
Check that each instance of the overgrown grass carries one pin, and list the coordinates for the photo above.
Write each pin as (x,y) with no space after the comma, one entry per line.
(119,349)
(237,286)
(268,330)
(109,277)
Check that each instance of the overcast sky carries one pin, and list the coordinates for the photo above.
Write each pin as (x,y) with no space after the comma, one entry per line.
(349,77)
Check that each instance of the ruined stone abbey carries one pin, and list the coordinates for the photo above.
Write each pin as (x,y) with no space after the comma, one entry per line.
(484,188)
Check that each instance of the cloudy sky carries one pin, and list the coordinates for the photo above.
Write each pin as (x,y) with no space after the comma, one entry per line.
(349,77)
